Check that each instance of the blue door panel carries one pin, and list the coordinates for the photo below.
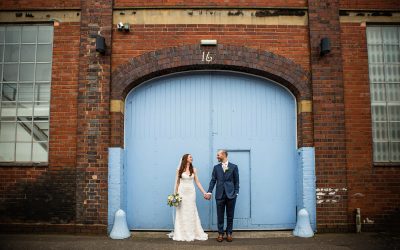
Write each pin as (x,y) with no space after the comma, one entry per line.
(199,113)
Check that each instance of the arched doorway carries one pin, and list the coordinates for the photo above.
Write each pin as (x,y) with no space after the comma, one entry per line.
(198,113)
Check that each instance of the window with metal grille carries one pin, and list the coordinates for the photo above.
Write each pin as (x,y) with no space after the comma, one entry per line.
(384,74)
(25,70)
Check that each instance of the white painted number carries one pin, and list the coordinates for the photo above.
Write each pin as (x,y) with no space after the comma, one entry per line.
(206,57)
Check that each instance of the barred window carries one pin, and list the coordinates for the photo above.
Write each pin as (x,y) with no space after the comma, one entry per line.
(384,74)
(25,70)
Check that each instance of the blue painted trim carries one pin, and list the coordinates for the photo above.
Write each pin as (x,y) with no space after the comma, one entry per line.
(306,186)
(116,187)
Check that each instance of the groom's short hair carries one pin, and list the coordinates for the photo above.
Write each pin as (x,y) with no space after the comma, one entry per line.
(224,151)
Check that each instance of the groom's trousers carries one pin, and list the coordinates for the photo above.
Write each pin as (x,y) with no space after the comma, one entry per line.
(229,205)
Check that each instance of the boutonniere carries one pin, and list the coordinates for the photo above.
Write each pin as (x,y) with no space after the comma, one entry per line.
(226,170)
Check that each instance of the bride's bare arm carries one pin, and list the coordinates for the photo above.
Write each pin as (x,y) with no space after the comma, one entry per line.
(198,182)
(177,179)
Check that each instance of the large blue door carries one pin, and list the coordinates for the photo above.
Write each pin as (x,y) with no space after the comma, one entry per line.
(199,113)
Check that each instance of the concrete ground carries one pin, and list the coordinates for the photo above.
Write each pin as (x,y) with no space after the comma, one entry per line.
(242,240)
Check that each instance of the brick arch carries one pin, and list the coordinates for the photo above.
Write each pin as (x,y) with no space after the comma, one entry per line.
(225,57)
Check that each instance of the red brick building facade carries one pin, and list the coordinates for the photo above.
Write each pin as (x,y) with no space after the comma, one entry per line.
(279,40)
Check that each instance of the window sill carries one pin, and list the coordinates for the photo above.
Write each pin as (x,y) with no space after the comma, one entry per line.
(24,164)
(386,164)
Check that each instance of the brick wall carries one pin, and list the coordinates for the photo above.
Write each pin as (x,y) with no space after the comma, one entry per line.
(211,3)
(328,115)
(39,4)
(374,189)
(284,40)
(47,193)
(93,114)
(370,5)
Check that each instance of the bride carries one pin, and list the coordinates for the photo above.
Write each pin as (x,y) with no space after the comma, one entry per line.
(187,225)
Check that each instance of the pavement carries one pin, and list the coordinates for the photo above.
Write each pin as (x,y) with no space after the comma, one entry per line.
(242,240)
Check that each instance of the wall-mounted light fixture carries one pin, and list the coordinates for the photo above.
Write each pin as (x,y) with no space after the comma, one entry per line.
(208,42)
(325,46)
(123,27)
(100,44)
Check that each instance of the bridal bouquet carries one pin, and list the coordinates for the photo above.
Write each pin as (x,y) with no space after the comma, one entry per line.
(174,200)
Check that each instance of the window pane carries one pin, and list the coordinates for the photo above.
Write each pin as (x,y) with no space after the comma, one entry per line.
(11,53)
(7,151)
(374,35)
(39,152)
(381,151)
(24,131)
(13,34)
(44,53)
(45,34)
(29,34)
(379,113)
(10,73)
(377,92)
(25,92)
(25,109)
(395,151)
(41,130)
(393,90)
(28,53)
(9,92)
(23,152)
(1,52)
(41,109)
(389,34)
(376,73)
(392,73)
(379,131)
(394,113)
(7,131)
(43,72)
(2,31)
(26,71)
(392,53)
(394,128)
(375,53)
(42,92)
(8,111)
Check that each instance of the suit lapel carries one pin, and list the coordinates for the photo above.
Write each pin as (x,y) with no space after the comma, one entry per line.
(220,169)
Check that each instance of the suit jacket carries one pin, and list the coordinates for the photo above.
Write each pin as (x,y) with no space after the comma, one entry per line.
(228,181)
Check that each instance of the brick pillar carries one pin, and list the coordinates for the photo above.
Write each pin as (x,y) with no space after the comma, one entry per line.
(328,112)
(93,113)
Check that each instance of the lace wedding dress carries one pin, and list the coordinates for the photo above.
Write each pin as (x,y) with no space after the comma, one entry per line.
(187,222)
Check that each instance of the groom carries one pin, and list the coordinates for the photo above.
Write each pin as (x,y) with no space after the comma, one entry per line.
(226,176)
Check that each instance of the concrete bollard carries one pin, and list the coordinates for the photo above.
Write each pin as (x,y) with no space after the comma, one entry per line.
(120,228)
(303,226)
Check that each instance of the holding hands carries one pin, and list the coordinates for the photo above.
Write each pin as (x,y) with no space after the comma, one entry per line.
(207,196)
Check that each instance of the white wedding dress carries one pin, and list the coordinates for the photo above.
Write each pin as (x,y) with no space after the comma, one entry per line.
(187,226)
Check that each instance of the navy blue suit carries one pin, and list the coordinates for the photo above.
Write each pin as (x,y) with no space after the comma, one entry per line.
(225,194)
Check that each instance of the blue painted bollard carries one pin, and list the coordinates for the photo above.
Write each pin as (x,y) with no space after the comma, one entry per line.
(303,226)
(120,228)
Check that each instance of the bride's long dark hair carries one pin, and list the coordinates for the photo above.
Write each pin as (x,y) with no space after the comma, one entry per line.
(183,165)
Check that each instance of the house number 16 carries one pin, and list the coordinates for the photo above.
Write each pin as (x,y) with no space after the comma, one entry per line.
(206,57)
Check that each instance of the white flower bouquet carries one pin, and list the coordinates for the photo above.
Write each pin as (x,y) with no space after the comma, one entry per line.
(174,200)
